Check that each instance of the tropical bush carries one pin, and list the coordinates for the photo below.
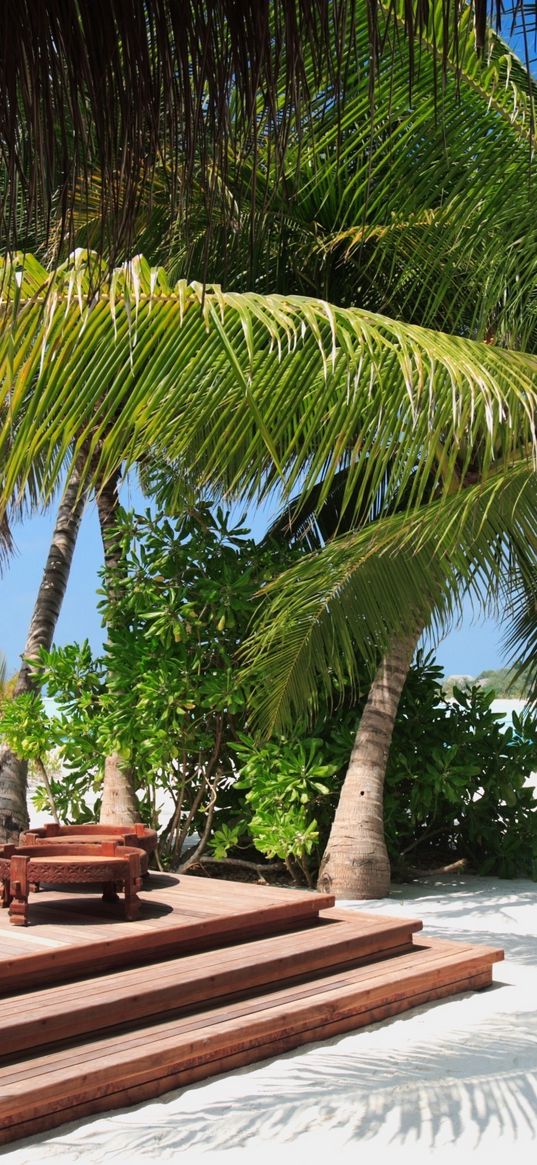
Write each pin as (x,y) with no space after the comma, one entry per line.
(165,693)
(456,784)
(168,694)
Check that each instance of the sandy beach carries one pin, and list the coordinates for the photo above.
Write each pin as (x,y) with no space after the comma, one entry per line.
(449,1081)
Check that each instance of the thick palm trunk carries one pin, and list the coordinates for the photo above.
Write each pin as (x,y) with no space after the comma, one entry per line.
(13,771)
(13,810)
(355,863)
(119,805)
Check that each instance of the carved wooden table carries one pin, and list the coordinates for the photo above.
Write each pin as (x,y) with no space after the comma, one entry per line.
(113,865)
(139,836)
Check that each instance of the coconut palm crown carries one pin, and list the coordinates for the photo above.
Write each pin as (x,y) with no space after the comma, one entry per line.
(91,85)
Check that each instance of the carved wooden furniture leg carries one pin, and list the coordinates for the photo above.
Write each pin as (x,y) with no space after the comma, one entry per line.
(33,840)
(5,875)
(110,893)
(18,888)
(133,883)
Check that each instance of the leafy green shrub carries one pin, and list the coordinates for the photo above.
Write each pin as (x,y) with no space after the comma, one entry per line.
(165,693)
(286,787)
(456,784)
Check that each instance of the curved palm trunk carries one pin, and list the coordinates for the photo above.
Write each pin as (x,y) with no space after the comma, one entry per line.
(13,771)
(119,805)
(355,863)
(54,581)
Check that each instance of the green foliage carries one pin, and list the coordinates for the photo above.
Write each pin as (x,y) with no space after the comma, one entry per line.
(287,783)
(31,734)
(504,682)
(456,781)
(25,727)
(455,784)
(166,692)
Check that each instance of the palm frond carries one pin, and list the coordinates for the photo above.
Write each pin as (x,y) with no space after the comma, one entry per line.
(247,390)
(431,217)
(97,83)
(6,541)
(422,216)
(341,606)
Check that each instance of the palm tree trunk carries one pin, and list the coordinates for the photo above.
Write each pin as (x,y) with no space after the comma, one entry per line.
(54,581)
(13,770)
(119,805)
(13,784)
(355,863)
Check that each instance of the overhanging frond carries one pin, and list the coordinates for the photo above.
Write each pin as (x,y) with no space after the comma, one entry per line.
(520,623)
(248,389)
(341,606)
(6,542)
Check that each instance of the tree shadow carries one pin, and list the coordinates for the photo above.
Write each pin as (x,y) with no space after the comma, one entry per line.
(426,1092)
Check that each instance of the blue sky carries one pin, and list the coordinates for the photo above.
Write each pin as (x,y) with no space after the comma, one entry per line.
(469,650)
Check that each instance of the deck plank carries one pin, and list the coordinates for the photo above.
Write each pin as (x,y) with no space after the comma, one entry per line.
(50,1014)
(100,1013)
(176,915)
(233,1033)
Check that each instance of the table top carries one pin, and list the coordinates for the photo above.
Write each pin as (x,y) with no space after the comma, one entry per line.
(82,855)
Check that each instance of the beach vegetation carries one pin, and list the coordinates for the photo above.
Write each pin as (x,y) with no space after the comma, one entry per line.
(402,216)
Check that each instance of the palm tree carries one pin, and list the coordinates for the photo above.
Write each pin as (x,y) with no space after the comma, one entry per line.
(426,256)
(323,136)
(428,246)
(321,617)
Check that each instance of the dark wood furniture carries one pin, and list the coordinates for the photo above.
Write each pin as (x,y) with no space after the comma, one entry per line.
(138,836)
(26,868)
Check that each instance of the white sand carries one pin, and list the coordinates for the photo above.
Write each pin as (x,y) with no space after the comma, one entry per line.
(452,1081)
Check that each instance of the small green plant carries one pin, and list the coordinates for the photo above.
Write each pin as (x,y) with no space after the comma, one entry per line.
(286,784)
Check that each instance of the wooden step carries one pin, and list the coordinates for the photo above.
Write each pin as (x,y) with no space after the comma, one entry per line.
(69,934)
(54,1013)
(127,1066)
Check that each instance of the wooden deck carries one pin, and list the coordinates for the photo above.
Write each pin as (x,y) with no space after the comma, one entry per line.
(97,1013)
(72,933)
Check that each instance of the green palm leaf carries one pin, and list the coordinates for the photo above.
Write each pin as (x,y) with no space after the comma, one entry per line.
(520,634)
(345,602)
(247,390)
